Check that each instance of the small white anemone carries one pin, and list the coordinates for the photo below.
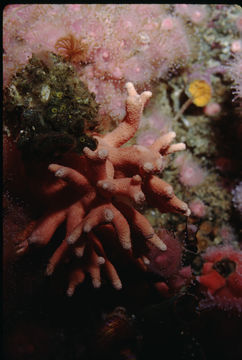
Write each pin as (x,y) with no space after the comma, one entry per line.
(45,93)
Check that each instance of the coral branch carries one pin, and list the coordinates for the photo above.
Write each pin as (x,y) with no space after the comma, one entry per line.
(160,194)
(162,143)
(46,227)
(99,215)
(108,266)
(127,187)
(175,148)
(122,227)
(57,257)
(77,277)
(134,108)
(70,175)
(141,224)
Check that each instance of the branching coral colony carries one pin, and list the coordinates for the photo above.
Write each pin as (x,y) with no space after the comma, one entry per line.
(102,188)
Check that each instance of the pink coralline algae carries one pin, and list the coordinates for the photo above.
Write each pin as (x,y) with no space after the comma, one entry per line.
(99,189)
(137,43)
(221,278)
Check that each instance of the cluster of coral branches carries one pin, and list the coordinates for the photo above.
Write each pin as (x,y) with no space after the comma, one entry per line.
(108,185)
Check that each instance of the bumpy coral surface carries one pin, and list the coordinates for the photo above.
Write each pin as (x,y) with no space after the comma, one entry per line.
(103,188)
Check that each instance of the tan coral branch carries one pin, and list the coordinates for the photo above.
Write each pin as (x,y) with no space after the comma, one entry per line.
(128,127)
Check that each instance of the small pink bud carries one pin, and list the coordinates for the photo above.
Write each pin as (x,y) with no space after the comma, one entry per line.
(167,24)
(105,55)
(212,109)
(236,46)
(197,208)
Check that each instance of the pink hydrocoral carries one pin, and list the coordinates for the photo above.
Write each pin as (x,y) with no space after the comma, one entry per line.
(100,189)
(221,278)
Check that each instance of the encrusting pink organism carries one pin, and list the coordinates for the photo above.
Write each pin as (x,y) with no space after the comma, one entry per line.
(197,14)
(236,46)
(221,278)
(191,174)
(108,43)
(101,188)
(197,208)
(212,109)
(168,264)
(239,23)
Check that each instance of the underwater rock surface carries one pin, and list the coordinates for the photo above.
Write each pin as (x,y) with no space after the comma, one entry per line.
(65,70)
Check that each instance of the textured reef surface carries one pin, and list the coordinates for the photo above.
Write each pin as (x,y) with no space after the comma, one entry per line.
(119,243)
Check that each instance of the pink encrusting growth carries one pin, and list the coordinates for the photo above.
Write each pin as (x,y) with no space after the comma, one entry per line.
(120,45)
(236,46)
(101,188)
(221,278)
(239,23)
(168,264)
(197,14)
(212,109)
(191,174)
(197,208)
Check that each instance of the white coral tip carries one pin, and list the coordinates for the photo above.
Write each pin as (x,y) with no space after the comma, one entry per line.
(108,215)
(148,167)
